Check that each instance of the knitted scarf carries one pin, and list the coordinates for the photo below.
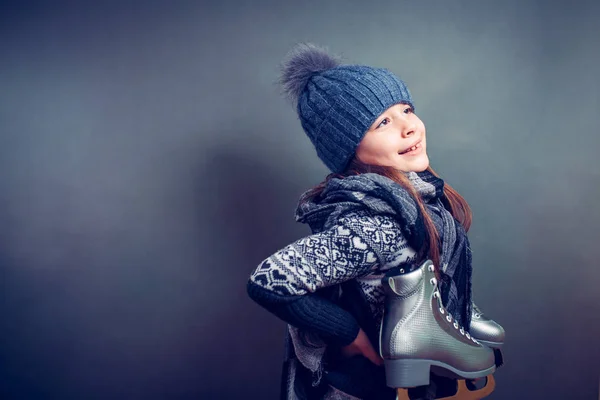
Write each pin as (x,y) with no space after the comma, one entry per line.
(382,195)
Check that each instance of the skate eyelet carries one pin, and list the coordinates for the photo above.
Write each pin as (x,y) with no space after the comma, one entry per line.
(442,311)
(456,325)
(449,318)
(433,281)
(468,336)
(431,268)
(462,331)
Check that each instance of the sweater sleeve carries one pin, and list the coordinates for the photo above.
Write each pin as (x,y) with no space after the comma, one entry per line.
(286,282)
(334,325)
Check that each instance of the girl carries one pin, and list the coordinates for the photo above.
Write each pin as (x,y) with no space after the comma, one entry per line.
(381,211)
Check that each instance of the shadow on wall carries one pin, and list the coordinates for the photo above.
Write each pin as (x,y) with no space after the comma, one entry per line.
(251,215)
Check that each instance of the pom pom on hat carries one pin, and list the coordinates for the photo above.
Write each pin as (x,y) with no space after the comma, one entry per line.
(303,62)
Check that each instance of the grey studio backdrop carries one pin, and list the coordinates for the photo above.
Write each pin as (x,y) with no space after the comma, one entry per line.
(148,164)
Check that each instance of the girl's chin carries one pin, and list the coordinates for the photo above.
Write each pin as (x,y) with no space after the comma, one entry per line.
(415,166)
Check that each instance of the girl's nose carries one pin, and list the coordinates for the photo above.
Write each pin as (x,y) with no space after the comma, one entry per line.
(408,133)
(408,129)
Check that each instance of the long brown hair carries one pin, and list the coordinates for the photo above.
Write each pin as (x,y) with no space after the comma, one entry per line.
(457,205)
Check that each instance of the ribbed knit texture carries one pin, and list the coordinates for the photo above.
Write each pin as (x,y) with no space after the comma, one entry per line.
(339,105)
(333,324)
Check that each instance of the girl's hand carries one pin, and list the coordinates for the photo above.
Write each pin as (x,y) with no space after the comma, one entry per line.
(362,346)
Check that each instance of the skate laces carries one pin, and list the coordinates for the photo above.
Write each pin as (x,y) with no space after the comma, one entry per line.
(443,311)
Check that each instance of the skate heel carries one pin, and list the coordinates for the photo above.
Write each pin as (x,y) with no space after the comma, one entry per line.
(403,373)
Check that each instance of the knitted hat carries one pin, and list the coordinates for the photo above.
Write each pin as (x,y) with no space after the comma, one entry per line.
(337,103)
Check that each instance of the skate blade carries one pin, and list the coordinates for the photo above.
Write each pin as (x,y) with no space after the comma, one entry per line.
(462,392)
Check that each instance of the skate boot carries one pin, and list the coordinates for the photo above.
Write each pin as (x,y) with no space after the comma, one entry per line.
(418,337)
(486,330)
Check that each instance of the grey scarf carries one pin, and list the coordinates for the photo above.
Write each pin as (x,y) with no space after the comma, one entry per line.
(382,195)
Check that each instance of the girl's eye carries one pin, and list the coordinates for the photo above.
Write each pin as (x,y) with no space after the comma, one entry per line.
(408,110)
(384,122)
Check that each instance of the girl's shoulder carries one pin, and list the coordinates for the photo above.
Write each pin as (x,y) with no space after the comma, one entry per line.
(369,220)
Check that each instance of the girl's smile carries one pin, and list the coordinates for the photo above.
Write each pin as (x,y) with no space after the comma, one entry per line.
(396,139)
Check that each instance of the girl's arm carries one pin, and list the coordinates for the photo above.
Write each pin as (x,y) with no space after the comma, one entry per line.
(286,283)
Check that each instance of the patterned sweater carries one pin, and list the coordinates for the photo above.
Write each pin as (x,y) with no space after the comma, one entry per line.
(306,285)
(361,247)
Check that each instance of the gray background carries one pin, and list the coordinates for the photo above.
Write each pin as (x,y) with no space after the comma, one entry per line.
(148,164)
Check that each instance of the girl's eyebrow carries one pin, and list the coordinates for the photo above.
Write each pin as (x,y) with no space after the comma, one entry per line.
(378,120)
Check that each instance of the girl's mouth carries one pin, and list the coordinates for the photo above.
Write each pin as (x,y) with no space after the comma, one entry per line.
(411,150)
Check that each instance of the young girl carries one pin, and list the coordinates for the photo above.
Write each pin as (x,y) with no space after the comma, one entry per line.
(381,211)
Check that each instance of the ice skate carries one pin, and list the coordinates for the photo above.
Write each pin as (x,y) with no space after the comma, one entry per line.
(464,390)
(486,330)
(418,337)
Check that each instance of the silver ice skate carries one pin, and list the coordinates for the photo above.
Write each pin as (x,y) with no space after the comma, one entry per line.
(486,330)
(418,335)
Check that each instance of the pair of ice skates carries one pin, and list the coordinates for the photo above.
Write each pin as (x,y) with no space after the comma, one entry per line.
(418,337)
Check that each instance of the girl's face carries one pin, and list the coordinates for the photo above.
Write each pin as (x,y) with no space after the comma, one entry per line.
(392,138)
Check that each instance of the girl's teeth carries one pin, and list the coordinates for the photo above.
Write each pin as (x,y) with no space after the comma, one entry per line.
(409,150)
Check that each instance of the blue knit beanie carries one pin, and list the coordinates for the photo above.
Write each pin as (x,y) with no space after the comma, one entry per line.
(337,103)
